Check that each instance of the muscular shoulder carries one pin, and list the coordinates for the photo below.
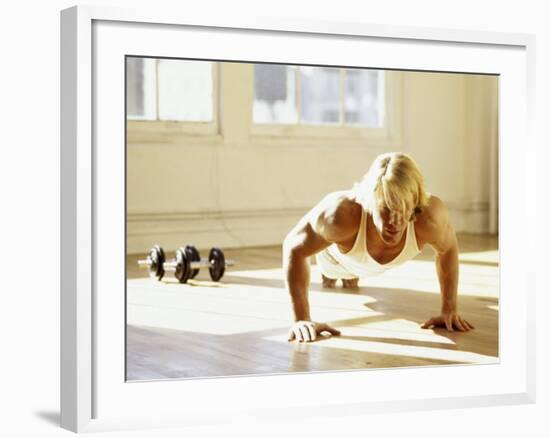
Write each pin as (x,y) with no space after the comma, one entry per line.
(337,217)
(432,221)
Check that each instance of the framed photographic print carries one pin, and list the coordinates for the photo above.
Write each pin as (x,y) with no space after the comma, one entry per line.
(251,209)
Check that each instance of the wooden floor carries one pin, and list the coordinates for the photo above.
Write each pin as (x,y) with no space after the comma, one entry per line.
(239,325)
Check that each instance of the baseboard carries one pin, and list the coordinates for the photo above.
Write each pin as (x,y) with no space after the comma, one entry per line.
(470,216)
(233,229)
(228,229)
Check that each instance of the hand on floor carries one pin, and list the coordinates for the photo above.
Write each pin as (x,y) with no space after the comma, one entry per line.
(450,321)
(308,331)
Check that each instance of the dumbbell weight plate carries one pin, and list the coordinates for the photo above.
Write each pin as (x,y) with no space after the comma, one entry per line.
(157,257)
(183,267)
(193,255)
(217,264)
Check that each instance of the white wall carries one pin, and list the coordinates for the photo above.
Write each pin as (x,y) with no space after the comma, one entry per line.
(241,189)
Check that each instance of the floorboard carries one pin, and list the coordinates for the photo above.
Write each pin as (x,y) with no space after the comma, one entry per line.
(239,325)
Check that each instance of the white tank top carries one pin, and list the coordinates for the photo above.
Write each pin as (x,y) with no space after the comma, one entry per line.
(358,260)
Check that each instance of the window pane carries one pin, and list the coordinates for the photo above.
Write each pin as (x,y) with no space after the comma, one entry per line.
(134,86)
(274,94)
(141,88)
(364,99)
(185,90)
(320,91)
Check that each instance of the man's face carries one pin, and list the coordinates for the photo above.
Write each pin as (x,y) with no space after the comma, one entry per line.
(391,225)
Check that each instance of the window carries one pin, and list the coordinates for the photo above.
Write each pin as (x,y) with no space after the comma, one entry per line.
(318,96)
(275,94)
(172,90)
(170,100)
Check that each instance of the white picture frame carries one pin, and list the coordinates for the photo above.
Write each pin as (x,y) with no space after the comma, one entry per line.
(93,397)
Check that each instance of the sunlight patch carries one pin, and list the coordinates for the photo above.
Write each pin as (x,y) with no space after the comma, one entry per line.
(430,353)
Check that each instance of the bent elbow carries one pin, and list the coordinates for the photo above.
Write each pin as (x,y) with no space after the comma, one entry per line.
(289,245)
(292,247)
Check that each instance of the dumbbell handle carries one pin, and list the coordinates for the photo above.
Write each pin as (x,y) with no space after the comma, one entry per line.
(171,265)
(146,262)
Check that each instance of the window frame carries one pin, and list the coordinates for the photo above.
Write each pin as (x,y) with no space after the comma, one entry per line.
(141,130)
(387,136)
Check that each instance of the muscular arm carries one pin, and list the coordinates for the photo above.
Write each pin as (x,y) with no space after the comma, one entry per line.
(327,223)
(440,235)
(300,244)
(446,261)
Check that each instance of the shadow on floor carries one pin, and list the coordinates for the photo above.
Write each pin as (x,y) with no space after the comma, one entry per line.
(164,354)
(154,353)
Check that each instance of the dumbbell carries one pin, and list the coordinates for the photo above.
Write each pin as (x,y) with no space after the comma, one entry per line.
(187,264)
(155,262)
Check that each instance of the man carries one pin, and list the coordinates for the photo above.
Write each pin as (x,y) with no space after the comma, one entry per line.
(385,220)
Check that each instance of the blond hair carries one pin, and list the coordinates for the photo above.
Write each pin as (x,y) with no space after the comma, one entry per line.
(393,181)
